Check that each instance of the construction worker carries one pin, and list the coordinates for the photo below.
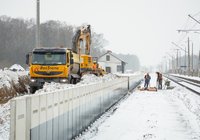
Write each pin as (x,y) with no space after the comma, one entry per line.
(159,80)
(147,79)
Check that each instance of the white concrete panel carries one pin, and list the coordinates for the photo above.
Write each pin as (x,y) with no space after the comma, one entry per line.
(70,96)
(20,129)
(61,103)
(35,111)
(43,108)
(55,104)
(65,101)
(12,119)
(75,98)
(49,107)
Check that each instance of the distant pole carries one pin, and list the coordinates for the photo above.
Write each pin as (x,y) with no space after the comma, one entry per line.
(172,65)
(192,59)
(188,56)
(177,60)
(180,59)
(180,63)
(199,65)
(38,24)
(185,60)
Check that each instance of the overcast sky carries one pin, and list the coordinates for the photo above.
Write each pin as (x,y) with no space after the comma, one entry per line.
(145,28)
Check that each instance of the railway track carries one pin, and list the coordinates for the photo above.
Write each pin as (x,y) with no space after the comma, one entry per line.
(191,84)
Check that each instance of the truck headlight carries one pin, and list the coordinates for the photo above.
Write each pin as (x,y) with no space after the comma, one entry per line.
(63,80)
(33,80)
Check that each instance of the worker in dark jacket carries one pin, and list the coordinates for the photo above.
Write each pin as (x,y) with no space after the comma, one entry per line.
(159,80)
(147,79)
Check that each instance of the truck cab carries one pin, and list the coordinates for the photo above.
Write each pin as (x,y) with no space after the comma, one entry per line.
(52,65)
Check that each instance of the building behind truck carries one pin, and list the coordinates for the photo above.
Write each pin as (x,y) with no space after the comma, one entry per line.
(111,63)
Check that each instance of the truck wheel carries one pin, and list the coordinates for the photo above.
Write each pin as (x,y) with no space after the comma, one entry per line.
(74,81)
(33,89)
(71,80)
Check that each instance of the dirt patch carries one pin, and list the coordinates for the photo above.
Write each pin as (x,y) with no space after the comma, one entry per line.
(16,89)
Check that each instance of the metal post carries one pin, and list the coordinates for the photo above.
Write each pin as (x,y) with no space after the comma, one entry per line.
(38,24)
(177,60)
(180,64)
(172,65)
(185,60)
(199,65)
(192,59)
(188,56)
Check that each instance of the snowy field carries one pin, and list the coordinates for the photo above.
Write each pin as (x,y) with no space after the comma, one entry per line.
(144,115)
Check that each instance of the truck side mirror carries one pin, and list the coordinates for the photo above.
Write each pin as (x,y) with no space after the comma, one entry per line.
(27,59)
(71,61)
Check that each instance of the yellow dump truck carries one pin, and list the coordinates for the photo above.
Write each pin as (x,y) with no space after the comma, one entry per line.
(61,64)
(53,65)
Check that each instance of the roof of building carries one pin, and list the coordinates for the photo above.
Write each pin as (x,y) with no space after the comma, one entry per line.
(110,52)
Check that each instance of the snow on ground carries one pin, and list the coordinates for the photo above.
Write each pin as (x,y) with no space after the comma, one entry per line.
(185,76)
(86,79)
(9,76)
(4,121)
(130,74)
(144,115)
(16,67)
(195,88)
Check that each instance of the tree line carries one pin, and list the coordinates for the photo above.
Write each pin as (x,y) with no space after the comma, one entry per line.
(18,37)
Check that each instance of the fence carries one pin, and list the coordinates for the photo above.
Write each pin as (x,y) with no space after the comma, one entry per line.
(63,114)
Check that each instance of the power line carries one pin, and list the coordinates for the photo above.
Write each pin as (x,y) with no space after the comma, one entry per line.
(194,19)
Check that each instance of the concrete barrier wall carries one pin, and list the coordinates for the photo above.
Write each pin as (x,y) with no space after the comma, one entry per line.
(63,114)
(134,81)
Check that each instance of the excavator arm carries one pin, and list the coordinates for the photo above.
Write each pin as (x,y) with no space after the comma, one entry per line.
(82,40)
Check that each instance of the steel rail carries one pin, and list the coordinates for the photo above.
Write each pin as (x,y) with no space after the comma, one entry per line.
(174,79)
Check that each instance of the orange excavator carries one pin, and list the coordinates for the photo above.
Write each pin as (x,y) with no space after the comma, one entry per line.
(81,45)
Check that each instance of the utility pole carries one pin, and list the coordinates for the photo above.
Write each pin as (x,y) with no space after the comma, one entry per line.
(180,62)
(188,56)
(169,66)
(171,62)
(192,59)
(177,60)
(180,55)
(38,24)
(199,51)
(199,65)
(185,61)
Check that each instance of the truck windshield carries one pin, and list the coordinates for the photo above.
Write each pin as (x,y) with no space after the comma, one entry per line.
(49,58)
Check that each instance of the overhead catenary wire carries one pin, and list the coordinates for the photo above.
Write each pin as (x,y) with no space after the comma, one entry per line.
(190,25)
